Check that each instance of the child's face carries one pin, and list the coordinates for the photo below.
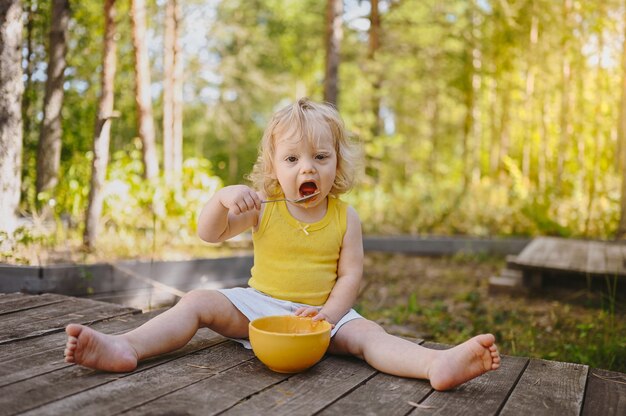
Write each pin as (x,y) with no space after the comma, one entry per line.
(303,167)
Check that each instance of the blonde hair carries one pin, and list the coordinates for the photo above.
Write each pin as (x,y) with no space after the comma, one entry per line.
(302,120)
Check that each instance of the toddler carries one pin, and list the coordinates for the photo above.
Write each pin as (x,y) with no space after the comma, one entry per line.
(308,261)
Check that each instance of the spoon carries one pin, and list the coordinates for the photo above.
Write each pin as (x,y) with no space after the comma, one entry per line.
(294,201)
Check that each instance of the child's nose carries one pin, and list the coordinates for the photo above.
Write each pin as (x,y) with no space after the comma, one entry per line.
(308,165)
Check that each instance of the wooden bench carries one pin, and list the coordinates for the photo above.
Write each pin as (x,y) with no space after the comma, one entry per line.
(213,375)
(577,260)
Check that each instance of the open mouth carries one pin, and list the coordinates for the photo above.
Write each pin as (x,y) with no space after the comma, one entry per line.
(308,188)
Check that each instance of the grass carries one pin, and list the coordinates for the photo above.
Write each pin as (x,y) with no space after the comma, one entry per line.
(446,300)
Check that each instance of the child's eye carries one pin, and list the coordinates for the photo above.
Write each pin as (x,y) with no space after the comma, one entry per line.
(291,159)
(321,156)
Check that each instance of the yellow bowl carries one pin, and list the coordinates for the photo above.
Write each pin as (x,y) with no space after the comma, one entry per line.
(289,343)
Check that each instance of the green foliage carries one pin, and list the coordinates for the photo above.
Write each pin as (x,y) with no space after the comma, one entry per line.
(22,236)
(138,216)
(469,146)
(153,209)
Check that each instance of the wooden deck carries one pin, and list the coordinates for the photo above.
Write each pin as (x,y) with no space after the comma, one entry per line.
(212,375)
(578,256)
(571,263)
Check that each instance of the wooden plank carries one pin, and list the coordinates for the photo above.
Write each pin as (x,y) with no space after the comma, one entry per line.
(560,255)
(531,251)
(138,388)
(482,395)
(61,384)
(606,393)
(32,357)
(216,394)
(548,388)
(621,269)
(596,259)
(579,256)
(144,299)
(550,245)
(536,256)
(30,346)
(13,304)
(219,393)
(614,260)
(384,394)
(309,392)
(381,395)
(10,297)
(623,250)
(54,318)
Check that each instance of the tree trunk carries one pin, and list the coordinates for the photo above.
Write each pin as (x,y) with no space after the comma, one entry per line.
(433,111)
(597,132)
(172,94)
(472,82)
(334,34)
(374,45)
(504,131)
(621,143)
(529,96)
(168,91)
(29,65)
(178,92)
(564,122)
(476,134)
(50,135)
(11,90)
(102,128)
(494,128)
(145,122)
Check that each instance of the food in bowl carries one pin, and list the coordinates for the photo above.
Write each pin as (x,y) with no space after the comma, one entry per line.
(289,343)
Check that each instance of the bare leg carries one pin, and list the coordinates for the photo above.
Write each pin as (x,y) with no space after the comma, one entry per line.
(166,332)
(445,369)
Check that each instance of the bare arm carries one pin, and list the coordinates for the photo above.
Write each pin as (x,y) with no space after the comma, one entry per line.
(231,211)
(349,274)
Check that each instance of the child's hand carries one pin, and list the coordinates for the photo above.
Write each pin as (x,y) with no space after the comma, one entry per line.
(239,199)
(316,313)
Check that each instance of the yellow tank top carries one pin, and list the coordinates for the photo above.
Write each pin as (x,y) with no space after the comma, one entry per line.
(298,261)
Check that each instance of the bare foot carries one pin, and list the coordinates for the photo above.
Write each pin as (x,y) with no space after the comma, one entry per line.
(464,362)
(99,351)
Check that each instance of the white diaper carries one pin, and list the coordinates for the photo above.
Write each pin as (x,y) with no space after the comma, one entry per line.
(254,304)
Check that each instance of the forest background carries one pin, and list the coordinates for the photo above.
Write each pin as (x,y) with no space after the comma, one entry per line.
(482,117)
(119,119)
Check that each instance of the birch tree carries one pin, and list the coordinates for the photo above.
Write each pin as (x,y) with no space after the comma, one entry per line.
(49,148)
(28,65)
(472,80)
(102,128)
(145,120)
(11,90)
(334,34)
(172,93)
(566,80)
(374,45)
(621,143)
